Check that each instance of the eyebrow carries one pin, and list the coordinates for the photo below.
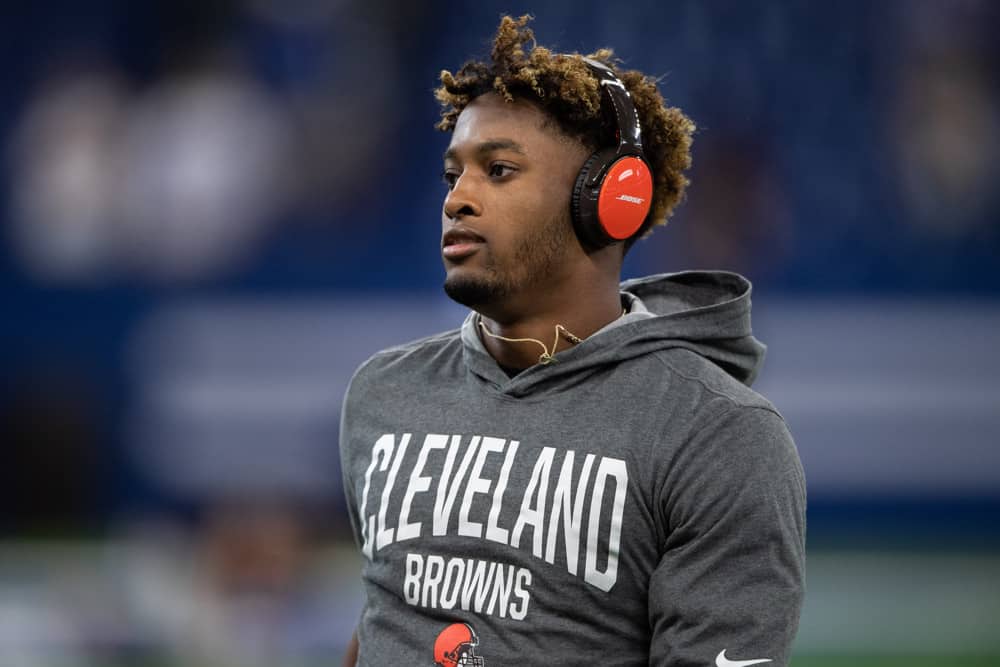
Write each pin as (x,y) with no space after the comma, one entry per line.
(489,146)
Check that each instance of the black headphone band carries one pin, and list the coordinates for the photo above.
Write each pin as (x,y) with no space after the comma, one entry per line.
(627,127)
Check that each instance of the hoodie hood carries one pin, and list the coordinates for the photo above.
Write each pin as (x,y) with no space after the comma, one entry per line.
(706,312)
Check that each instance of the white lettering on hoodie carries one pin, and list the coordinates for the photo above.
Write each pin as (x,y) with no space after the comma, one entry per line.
(556,521)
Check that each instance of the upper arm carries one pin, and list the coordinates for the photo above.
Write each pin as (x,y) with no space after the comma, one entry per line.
(731,574)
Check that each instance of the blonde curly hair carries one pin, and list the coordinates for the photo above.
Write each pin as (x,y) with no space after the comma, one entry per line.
(564,86)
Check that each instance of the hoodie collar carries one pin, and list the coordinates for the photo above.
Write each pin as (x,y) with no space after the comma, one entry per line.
(707,312)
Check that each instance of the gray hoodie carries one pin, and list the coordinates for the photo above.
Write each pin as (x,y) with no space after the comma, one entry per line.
(633,502)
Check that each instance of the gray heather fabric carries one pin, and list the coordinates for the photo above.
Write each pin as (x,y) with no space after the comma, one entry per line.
(632,503)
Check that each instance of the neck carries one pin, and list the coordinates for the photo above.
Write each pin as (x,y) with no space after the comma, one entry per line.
(548,323)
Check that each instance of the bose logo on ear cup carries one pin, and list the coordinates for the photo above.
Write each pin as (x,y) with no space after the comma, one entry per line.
(630,198)
(613,191)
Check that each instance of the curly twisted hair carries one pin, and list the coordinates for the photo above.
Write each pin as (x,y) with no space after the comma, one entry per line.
(565,88)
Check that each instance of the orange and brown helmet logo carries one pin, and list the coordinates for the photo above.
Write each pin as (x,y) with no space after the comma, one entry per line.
(456,646)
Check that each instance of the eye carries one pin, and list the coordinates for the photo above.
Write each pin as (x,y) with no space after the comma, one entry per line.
(450,177)
(499,170)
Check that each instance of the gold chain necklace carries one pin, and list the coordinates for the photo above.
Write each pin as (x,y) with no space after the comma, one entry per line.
(545,357)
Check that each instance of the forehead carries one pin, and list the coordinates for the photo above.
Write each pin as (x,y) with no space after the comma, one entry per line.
(489,118)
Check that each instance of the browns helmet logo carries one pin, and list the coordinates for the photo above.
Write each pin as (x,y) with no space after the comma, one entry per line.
(456,647)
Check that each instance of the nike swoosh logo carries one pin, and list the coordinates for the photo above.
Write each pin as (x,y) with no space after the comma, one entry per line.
(722,661)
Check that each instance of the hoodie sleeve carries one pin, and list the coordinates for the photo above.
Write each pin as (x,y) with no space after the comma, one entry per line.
(348,415)
(728,588)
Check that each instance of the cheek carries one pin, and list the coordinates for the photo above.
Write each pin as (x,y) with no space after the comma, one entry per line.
(544,206)
(549,236)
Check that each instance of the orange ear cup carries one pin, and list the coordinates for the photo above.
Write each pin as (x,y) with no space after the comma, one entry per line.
(625,197)
(611,208)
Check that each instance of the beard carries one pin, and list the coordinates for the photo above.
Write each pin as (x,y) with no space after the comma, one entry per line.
(534,261)
(475,292)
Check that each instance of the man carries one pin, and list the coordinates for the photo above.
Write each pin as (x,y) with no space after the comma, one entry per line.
(580,474)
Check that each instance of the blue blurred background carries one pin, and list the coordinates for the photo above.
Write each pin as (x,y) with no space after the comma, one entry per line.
(212,211)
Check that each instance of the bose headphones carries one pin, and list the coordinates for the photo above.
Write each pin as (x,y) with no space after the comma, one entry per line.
(614,189)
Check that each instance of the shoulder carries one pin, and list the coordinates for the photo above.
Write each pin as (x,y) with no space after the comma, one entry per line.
(727,423)
(739,454)
(408,358)
(719,391)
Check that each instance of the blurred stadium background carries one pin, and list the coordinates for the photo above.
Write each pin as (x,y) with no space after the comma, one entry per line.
(213,211)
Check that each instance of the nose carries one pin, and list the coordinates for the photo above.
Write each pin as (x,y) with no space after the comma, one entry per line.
(462,200)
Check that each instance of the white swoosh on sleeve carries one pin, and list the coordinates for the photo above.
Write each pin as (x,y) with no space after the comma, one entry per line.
(722,661)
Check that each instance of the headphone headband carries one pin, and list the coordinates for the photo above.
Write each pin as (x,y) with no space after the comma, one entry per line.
(627,129)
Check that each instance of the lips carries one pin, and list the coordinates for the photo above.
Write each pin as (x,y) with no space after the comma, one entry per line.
(459,243)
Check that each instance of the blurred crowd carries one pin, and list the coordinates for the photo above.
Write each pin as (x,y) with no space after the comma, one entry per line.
(840,148)
(181,164)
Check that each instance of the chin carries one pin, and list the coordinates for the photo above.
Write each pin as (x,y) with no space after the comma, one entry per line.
(471,291)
